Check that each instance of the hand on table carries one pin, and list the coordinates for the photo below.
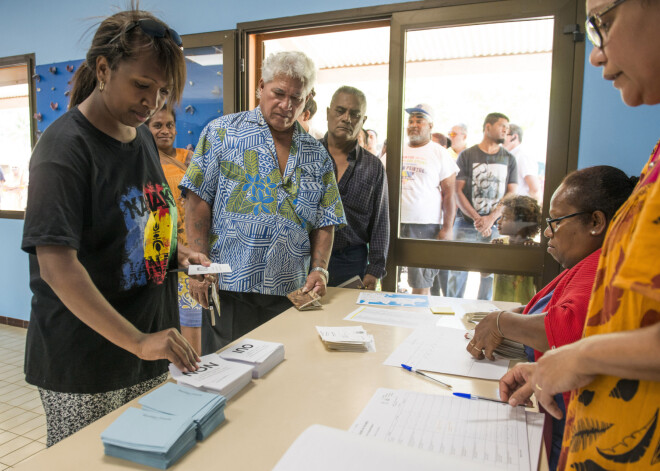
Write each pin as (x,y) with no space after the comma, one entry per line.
(315,282)
(486,338)
(370,282)
(168,344)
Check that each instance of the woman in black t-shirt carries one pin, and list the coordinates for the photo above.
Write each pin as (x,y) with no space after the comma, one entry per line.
(100,227)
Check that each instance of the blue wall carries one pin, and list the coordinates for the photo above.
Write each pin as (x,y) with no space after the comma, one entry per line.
(611,132)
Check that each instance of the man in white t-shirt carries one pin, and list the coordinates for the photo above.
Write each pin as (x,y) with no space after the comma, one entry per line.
(428,200)
(528,180)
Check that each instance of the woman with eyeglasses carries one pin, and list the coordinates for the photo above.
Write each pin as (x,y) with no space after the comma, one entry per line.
(580,211)
(100,228)
(612,419)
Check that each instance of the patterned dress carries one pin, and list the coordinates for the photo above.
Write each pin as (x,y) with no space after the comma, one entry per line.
(261,219)
(612,423)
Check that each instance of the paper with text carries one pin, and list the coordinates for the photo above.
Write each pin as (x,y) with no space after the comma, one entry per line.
(397,318)
(379,298)
(443,350)
(489,434)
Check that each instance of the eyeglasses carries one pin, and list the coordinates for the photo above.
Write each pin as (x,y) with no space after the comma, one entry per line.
(594,24)
(453,134)
(152,28)
(556,220)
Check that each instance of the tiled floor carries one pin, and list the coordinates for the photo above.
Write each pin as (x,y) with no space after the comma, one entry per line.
(22,419)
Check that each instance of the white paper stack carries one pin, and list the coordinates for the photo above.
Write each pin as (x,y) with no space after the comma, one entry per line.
(347,339)
(262,356)
(215,375)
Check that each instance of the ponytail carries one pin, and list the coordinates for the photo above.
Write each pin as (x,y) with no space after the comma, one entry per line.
(84,82)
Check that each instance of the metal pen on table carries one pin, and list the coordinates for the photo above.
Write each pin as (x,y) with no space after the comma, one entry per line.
(413,370)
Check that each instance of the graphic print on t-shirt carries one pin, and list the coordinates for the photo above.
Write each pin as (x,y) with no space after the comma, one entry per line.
(488,186)
(150,225)
(412,165)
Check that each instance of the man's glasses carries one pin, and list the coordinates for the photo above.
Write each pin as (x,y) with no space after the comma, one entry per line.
(594,24)
(553,223)
(152,28)
(453,134)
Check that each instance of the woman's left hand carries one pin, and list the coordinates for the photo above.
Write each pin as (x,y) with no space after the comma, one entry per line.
(486,338)
(557,371)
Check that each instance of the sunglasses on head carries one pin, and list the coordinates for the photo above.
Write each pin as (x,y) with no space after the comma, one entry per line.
(154,29)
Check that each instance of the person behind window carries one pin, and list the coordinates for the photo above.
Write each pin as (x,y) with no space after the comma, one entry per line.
(175,162)
(529,183)
(487,173)
(519,223)
(101,235)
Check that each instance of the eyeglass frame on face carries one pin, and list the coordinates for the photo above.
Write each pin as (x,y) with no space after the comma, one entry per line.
(595,22)
(153,29)
(551,221)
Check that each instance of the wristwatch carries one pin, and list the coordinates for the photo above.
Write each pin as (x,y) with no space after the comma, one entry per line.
(323,271)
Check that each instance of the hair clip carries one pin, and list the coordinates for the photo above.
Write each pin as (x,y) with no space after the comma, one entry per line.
(54,106)
(52,70)
(69,68)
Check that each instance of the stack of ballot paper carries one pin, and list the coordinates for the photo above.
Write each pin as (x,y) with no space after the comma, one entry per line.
(509,349)
(347,339)
(150,438)
(263,356)
(207,410)
(215,375)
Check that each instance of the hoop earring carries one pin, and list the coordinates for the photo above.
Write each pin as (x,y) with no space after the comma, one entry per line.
(101,86)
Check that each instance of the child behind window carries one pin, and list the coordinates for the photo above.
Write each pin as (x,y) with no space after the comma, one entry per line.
(519,223)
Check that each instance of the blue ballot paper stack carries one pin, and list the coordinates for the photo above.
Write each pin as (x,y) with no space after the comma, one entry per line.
(151,438)
(206,409)
(170,422)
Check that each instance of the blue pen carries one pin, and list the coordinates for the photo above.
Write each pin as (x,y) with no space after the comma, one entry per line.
(410,368)
(481,398)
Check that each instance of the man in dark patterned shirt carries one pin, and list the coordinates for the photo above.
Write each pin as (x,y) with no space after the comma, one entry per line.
(360,247)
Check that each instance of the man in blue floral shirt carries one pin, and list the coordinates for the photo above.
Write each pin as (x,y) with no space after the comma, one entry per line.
(261,196)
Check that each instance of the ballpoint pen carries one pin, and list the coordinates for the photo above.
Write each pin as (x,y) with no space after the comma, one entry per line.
(481,398)
(410,368)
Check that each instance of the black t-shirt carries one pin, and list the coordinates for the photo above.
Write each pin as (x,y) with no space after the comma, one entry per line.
(110,202)
(486,178)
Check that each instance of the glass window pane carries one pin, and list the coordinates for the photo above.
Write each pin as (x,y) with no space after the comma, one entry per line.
(14,137)
(454,78)
(469,285)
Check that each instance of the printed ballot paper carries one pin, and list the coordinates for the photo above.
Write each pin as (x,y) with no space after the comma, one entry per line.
(215,375)
(263,356)
(213,268)
(443,350)
(489,434)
